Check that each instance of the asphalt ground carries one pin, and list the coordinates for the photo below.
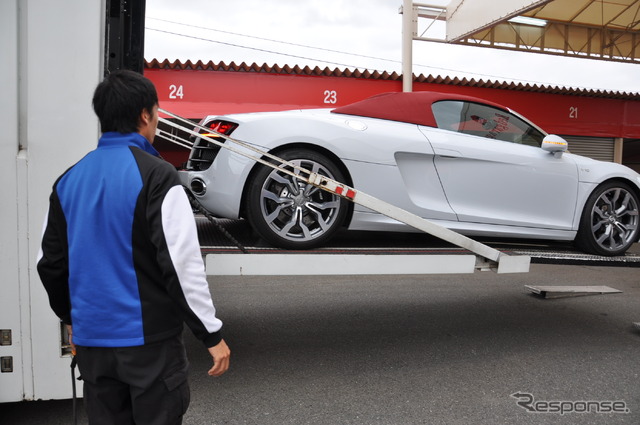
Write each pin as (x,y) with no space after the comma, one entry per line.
(438,349)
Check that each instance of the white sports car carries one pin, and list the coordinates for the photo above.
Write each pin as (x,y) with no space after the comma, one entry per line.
(467,164)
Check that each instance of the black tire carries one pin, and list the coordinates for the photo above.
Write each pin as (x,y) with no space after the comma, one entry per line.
(290,214)
(609,222)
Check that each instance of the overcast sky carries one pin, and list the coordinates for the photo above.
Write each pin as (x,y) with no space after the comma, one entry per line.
(363,34)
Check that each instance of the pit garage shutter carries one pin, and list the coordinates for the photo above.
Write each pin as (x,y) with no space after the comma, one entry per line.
(600,148)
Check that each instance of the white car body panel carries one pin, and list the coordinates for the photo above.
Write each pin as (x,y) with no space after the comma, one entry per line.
(516,185)
(366,220)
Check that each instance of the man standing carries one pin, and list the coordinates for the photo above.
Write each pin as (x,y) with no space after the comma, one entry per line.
(121,263)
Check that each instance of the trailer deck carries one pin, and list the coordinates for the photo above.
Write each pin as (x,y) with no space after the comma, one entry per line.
(213,241)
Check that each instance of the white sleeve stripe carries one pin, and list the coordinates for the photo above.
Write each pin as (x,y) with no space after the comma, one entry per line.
(182,239)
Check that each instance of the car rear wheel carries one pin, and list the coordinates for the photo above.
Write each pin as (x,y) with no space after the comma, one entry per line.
(290,213)
(609,223)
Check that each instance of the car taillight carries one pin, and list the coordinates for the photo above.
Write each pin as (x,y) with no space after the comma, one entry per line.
(204,150)
(221,127)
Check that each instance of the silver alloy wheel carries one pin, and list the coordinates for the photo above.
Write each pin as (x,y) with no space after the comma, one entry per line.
(614,219)
(297,211)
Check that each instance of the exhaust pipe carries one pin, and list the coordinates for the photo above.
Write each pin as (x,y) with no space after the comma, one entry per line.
(198,187)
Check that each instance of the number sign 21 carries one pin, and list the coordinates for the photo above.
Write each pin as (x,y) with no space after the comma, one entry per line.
(573,112)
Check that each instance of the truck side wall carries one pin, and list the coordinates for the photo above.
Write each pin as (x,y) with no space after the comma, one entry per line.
(52,61)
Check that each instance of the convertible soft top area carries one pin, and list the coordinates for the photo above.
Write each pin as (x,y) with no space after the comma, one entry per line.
(411,107)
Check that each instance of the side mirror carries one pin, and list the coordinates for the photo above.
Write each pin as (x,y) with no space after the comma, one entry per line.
(554,144)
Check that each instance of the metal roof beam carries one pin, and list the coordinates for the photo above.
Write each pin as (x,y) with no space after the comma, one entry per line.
(593,29)
(465,17)
(559,38)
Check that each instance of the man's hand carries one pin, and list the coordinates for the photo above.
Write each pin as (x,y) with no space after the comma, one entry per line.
(70,332)
(220,354)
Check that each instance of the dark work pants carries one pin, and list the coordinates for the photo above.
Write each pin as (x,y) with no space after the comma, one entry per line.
(145,385)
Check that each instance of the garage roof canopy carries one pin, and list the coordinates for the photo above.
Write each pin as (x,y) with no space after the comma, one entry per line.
(598,29)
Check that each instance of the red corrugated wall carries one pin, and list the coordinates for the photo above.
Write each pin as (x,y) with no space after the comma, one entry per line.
(195,93)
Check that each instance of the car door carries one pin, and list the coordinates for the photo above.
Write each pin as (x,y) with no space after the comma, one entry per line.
(493,171)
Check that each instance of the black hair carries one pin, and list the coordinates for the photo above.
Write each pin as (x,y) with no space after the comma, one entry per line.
(120,99)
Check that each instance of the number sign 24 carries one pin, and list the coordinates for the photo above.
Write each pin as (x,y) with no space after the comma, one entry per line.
(176,92)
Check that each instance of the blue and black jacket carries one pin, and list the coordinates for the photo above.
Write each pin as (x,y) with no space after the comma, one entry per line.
(120,258)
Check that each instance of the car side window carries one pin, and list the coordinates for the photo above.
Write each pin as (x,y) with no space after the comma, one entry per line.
(485,121)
